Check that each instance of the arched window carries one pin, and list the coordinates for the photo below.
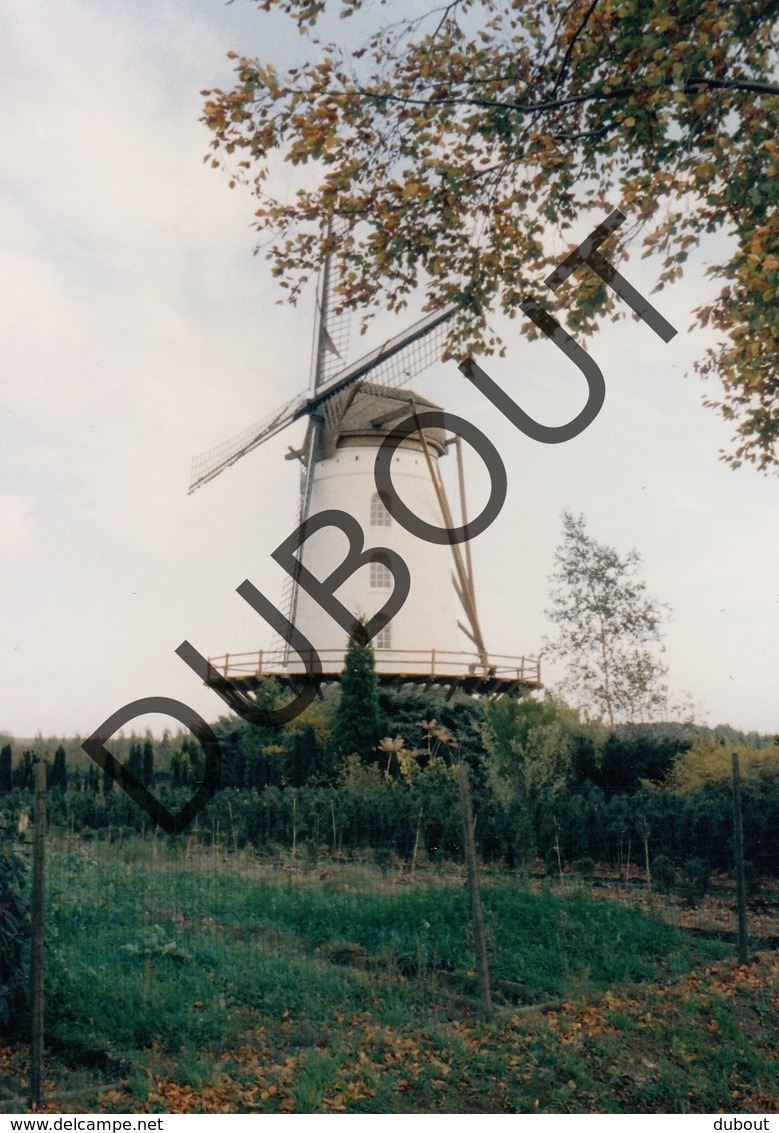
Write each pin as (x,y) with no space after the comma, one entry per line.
(380,517)
(384,637)
(381,579)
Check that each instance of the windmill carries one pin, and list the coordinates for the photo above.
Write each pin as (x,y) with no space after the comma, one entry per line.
(350,409)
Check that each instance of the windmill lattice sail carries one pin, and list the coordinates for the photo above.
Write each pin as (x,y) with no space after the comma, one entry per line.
(395,362)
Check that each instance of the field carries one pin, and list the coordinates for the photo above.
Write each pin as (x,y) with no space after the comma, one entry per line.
(197,982)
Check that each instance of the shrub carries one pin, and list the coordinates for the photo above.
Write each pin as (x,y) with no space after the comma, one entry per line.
(695,881)
(663,874)
(751,880)
(14,931)
(585,868)
(552,865)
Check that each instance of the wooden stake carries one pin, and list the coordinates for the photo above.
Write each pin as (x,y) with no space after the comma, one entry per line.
(472,866)
(647,870)
(36,965)
(416,842)
(738,840)
(232,824)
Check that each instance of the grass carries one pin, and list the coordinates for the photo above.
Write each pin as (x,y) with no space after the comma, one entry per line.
(208,988)
(183,956)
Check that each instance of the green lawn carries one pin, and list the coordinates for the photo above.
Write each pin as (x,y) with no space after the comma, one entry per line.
(212,987)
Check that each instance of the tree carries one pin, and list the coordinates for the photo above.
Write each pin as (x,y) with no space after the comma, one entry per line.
(59,772)
(607,627)
(6,768)
(23,774)
(193,762)
(148,764)
(514,731)
(640,754)
(357,719)
(176,774)
(707,763)
(532,746)
(14,933)
(305,757)
(456,149)
(135,761)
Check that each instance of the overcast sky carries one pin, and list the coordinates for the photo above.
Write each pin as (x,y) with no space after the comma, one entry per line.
(138,329)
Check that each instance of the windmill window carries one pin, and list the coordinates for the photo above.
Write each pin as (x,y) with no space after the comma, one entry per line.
(384,638)
(381,579)
(380,517)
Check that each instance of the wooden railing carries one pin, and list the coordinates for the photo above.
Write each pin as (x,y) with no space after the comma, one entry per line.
(435,663)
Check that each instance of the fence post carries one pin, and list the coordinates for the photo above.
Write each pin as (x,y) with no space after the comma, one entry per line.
(479,935)
(36,959)
(738,841)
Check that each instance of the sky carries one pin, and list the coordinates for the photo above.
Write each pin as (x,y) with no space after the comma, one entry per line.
(138,328)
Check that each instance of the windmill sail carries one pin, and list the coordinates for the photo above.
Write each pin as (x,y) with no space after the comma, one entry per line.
(210,463)
(331,331)
(395,362)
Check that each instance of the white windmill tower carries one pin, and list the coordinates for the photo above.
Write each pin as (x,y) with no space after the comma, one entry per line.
(351,409)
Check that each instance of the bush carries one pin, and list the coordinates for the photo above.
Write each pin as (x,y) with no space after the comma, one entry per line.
(663,874)
(695,881)
(751,880)
(552,865)
(585,868)
(14,932)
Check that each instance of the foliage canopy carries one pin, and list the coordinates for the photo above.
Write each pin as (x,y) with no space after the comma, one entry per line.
(457,149)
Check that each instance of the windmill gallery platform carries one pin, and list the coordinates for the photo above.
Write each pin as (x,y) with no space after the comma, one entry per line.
(422,668)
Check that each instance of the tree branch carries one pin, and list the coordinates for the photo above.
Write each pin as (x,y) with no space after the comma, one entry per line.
(569,51)
(749,85)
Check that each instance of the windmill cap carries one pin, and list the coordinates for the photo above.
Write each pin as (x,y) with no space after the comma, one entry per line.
(371,413)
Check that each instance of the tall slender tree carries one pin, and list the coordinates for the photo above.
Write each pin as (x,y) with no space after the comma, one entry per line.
(6,757)
(608,629)
(357,721)
(23,774)
(148,763)
(135,761)
(59,772)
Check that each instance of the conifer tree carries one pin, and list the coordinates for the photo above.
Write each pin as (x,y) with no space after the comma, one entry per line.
(176,769)
(59,772)
(5,768)
(357,723)
(135,761)
(147,776)
(23,775)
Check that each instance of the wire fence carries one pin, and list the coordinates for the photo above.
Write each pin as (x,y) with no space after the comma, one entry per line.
(310,903)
